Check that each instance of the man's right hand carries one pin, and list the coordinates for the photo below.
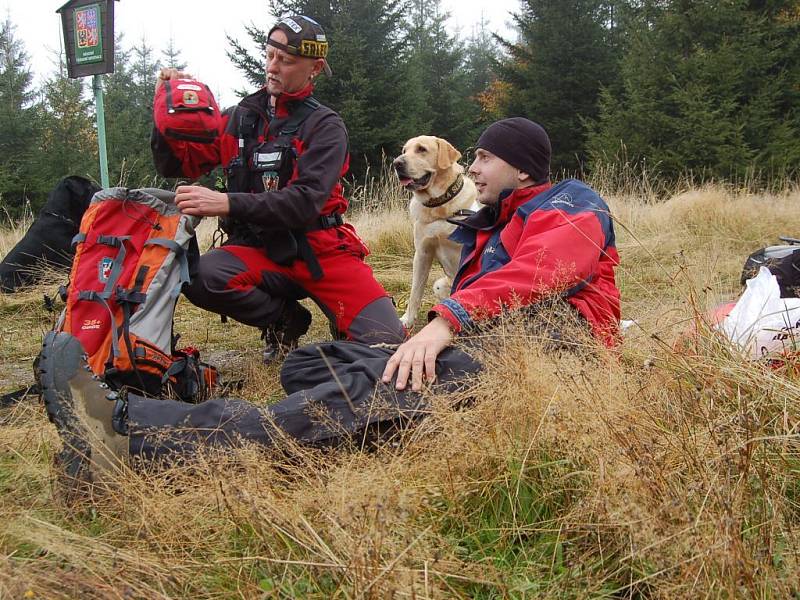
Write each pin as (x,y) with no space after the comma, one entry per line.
(170,73)
(415,359)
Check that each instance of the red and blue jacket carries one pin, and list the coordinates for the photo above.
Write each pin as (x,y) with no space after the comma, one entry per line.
(535,242)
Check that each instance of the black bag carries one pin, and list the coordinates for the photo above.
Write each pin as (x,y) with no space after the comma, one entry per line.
(188,379)
(782,261)
(48,241)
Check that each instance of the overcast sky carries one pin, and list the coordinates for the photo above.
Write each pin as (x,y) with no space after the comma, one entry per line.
(198,34)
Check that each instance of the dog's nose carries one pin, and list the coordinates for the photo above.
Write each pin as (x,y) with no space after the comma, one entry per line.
(398,162)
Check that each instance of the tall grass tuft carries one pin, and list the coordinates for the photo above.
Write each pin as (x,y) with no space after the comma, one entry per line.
(668,468)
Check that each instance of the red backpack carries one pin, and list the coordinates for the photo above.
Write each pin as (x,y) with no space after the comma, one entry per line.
(132,258)
(186,114)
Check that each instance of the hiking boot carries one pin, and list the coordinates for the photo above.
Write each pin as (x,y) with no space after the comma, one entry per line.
(83,410)
(281,337)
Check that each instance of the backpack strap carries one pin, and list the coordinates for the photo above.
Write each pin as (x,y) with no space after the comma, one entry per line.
(118,262)
(284,139)
(292,125)
(127,299)
(168,90)
(180,256)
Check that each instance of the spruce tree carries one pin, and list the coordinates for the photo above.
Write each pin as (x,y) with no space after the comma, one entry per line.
(565,53)
(19,123)
(481,61)
(709,88)
(171,56)
(68,142)
(439,80)
(128,108)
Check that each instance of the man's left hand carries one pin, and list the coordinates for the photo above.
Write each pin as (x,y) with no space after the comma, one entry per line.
(417,356)
(201,201)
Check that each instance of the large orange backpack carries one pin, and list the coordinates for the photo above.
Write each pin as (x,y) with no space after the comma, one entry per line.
(132,258)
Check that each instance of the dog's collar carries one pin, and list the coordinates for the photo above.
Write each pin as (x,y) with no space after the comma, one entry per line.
(451,193)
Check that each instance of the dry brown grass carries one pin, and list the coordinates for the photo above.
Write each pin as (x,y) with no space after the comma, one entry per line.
(647,473)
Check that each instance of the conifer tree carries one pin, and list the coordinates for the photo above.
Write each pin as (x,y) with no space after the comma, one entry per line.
(171,56)
(481,61)
(19,123)
(709,88)
(68,142)
(436,61)
(128,108)
(565,53)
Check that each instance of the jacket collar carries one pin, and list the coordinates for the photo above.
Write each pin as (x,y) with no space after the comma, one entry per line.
(283,103)
(510,200)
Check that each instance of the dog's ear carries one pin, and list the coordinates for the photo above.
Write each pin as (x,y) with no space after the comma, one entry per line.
(447,154)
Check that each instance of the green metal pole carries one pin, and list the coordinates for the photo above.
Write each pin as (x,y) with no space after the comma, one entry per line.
(97,84)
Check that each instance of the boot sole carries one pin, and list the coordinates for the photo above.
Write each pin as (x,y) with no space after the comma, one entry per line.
(61,357)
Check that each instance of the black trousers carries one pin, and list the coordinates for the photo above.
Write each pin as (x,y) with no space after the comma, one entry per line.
(334,391)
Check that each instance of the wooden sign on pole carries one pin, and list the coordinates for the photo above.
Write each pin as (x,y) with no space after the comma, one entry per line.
(88,27)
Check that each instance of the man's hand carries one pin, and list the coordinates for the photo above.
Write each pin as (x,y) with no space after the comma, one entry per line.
(417,356)
(169,73)
(201,201)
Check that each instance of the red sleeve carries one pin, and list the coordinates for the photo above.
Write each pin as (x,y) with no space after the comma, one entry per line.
(555,251)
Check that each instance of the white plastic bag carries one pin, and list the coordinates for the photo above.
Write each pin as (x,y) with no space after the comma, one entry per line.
(762,323)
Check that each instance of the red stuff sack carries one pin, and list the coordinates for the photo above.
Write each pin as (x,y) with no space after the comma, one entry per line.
(186,115)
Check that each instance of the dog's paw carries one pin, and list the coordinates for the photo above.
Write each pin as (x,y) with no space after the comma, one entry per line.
(408,321)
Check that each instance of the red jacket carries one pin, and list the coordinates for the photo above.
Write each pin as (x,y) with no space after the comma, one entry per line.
(537,241)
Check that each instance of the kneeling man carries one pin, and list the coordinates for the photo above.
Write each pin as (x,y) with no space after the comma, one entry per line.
(531,242)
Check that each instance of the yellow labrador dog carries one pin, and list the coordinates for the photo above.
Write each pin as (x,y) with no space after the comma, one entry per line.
(428,168)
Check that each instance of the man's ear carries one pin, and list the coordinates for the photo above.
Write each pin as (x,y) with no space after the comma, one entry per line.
(319,64)
(522,176)
(447,155)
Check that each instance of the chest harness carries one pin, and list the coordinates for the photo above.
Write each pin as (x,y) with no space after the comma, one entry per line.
(273,161)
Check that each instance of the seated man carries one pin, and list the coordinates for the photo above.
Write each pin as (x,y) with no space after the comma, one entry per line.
(529,243)
(284,155)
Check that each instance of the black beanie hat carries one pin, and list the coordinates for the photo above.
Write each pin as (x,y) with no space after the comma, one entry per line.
(520,142)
